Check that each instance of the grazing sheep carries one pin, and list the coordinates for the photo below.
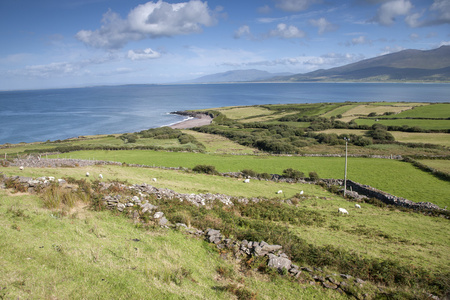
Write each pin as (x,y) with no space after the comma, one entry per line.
(246,180)
(357,205)
(343,211)
(87,174)
(21,168)
(280,192)
(301,192)
(100,176)
(51,178)
(154,179)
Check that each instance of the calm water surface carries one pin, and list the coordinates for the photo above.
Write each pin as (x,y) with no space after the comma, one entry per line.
(40,115)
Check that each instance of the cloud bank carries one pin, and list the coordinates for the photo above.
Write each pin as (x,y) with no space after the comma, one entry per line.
(149,20)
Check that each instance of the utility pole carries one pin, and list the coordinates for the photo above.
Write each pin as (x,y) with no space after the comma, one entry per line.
(345,172)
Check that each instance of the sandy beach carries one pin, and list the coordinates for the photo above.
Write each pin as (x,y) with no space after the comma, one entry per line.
(199,120)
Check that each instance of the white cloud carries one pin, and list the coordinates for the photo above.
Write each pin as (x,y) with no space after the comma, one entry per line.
(264,9)
(143,54)
(323,25)
(287,32)
(388,11)
(414,36)
(149,20)
(360,40)
(243,31)
(295,5)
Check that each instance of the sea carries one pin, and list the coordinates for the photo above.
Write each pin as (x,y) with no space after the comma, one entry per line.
(57,114)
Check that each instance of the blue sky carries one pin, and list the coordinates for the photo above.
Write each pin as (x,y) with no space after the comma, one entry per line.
(71,43)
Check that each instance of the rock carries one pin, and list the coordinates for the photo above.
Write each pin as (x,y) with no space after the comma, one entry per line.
(120,207)
(279,263)
(271,248)
(329,285)
(163,221)
(158,215)
(62,181)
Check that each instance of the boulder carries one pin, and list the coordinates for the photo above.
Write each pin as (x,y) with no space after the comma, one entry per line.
(279,263)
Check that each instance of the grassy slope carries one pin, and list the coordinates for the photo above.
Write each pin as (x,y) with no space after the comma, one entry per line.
(371,232)
(92,255)
(441,110)
(219,144)
(441,165)
(398,178)
(424,124)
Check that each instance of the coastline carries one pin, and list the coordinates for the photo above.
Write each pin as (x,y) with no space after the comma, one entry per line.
(197,120)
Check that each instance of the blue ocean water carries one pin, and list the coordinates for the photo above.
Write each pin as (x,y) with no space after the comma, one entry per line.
(40,115)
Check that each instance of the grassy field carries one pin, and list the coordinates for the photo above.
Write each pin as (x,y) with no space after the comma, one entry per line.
(424,124)
(340,110)
(402,179)
(441,110)
(442,139)
(218,144)
(441,165)
(364,110)
(244,112)
(97,248)
(97,255)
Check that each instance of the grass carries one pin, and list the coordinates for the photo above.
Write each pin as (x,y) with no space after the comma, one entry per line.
(364,110)
(442,139)
(441,110)
(339,110)
(424,124)
(98,255)
(244,112)
(402,179)
(441,165)
(219,144)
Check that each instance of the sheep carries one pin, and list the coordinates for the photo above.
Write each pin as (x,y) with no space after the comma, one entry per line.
(357,205)
(301,192)
(87,174)
(280,192)
(247,181)
(21,168)
(342,211)
(100,176)
(154,179)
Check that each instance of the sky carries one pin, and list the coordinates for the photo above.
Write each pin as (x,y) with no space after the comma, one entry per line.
(76,43)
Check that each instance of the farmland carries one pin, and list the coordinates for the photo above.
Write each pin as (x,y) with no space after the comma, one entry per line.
(398,252)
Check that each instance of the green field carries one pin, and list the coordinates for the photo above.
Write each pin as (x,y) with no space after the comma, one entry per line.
(395,177)
(438,164)
(424,124)
(432,111)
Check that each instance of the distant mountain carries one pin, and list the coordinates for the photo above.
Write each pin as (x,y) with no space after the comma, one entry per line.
(237,76)
(406,65)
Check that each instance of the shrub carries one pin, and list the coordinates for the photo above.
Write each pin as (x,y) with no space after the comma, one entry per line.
(313,175)
(251,173)
(294,174)
(372,114)
(207,169)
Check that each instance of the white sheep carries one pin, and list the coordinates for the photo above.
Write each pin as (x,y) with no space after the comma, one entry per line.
(301,192)
(21,168)
(343,211)
(87,174)
(247,181)
(100,176)
(280,192)
(154,179)
(357,205)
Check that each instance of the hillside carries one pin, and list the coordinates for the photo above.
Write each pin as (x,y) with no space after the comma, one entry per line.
(237,76)
(406,65)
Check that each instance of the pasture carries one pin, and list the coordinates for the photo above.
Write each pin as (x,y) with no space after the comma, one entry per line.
(395,177)
(424,124)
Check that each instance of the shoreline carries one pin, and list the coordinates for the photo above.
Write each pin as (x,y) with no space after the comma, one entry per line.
(196,120)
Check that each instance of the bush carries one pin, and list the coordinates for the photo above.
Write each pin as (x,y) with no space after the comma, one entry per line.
(251,173)
(294,174)
(313,175)
(206,169)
